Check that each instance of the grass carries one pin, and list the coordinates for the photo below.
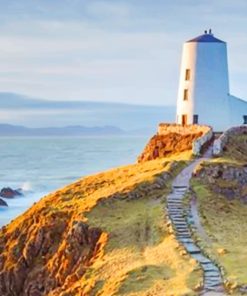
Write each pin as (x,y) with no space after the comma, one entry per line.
(226,225)
(135,254)
(225,220)
(141,257)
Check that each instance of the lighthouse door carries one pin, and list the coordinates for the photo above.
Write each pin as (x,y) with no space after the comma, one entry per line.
(184,119)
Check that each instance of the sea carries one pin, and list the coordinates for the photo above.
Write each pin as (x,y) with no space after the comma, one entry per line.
(39,166)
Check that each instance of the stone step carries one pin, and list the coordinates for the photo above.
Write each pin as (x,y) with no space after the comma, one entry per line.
(174,218)
(180,216)
(180,220)
(183,237)
(175,199)
(175,213)
(186,240)
(180,225)
(201,258)
(187,234)
(209,267)
(176,210)
(191,247)
(177,216)
(183,230)
(214,273)
(174,202)
(212,284)
(212,278)
(180,209)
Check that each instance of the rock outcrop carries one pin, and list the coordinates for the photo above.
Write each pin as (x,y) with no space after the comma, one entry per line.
(3,203)
(172,139)
(226,179)
(165,145)
(8,192)
(47,256)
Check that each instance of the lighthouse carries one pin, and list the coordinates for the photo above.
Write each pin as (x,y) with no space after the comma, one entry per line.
(203,94)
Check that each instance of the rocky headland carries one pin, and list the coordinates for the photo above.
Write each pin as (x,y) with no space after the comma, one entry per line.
(116,232)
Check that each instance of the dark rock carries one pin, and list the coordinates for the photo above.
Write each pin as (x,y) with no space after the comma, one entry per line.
(3,203)
(8,192)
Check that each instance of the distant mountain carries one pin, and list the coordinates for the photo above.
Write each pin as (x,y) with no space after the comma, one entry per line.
(12,130)
(21,110)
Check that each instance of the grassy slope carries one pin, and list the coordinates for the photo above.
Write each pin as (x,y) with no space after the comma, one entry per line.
(141,258)
(138,256)
(225,221)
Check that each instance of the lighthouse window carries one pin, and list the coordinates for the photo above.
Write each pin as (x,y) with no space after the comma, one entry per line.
(245,119)
(186,95)
(187,74)
(195,119)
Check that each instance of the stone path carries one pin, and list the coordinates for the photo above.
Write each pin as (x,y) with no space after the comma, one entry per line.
(212,282)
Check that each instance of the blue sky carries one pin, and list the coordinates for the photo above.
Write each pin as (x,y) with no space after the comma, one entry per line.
(119,51)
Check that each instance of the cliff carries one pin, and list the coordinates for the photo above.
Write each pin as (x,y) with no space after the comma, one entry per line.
(103,235)
(172,139)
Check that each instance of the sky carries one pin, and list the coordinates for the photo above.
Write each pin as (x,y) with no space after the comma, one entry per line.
(112,50)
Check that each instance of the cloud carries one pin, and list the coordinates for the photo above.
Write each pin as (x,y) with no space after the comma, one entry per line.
(108,9)
(111,50)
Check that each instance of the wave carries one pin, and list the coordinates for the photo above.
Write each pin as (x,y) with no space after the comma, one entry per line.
(26,187)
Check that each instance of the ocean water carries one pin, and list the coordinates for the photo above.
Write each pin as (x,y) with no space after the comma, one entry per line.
(41,165)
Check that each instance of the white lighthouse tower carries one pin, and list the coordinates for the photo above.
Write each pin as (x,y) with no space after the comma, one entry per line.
(203,95)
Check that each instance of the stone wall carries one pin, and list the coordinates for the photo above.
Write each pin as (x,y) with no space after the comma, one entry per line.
(199,143)
(220,143)
(166,128)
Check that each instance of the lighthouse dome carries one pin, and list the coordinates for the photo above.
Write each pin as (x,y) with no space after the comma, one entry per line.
(206,37)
